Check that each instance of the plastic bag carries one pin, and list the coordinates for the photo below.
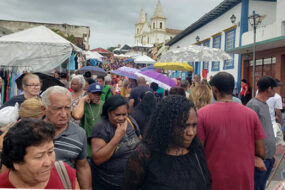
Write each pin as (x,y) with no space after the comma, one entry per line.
(9,114)
(278,133)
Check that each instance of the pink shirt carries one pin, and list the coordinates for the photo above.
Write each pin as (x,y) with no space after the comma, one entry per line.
(229,131)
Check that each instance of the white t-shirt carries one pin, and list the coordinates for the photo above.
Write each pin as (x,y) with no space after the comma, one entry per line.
(273,103)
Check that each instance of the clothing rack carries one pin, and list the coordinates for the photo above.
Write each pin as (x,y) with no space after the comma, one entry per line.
(9,74)
(15,67)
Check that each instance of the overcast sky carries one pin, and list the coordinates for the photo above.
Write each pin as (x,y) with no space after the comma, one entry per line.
(111,22)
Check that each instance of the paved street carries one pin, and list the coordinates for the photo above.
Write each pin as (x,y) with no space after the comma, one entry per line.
(280,149)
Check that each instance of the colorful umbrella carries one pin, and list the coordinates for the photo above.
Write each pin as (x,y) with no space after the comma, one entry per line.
(126,72)
(194,53)
(150,67)
(162,80)
(93,69)
(173,66)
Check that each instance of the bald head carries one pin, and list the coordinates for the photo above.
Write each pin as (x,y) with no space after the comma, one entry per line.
(141,81)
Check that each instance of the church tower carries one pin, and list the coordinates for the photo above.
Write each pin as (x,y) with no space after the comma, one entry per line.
(139,27)
(153,32)
(158,25)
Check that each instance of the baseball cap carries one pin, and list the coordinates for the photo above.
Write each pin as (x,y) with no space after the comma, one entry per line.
(278,82)
(95,87)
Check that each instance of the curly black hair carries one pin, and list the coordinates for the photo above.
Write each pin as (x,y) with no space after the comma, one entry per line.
(27,132)
(169,117)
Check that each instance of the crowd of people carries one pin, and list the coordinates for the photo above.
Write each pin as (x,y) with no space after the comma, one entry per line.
(117,133)
(114,63)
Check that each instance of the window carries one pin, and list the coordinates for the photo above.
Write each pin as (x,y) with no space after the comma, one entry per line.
(153,25)
(137,30)
(207,43)
(229,44)
(160,25)
(206,64)
(216,44)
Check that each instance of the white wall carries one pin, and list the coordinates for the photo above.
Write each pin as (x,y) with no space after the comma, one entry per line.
(271,25)
(218,25)
(280,17)
(262,33)
(263,8)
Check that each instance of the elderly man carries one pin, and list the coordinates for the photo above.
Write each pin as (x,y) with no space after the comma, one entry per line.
(70,141)
(89,109)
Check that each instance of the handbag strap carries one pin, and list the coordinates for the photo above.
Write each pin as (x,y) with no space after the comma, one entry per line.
(64,177)
(134,124)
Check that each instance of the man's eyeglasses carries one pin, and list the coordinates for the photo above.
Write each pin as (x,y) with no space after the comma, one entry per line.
(33,85)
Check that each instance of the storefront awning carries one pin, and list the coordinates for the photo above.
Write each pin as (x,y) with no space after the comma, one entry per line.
(260,46)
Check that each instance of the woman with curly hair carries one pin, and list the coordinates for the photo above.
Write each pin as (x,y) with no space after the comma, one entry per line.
(170,155)
(201,95)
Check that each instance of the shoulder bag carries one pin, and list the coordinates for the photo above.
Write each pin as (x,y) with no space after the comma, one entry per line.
(64,177)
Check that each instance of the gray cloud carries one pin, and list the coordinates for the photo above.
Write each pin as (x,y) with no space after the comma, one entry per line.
(111,21)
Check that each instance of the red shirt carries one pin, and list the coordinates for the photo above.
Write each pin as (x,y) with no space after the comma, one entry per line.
(243,88)
(54,180)
(229,131)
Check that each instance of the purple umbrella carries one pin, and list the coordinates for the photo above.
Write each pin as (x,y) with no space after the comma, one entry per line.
(126,72)
(162,80)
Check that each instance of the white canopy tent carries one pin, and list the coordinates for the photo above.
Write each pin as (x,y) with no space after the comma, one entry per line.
(93,55)
(144,60)
(38,48)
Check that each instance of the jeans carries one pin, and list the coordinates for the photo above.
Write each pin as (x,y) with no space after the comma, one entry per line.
(261,177)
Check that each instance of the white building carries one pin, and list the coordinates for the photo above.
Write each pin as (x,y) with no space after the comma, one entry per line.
(227,27)
(155,31)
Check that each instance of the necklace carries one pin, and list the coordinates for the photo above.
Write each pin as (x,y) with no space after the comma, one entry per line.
(93,115)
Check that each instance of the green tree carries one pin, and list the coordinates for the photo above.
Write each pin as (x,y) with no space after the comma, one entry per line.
(111,49)
(68,37)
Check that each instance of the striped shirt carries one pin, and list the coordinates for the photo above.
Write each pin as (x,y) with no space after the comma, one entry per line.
(71,144)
